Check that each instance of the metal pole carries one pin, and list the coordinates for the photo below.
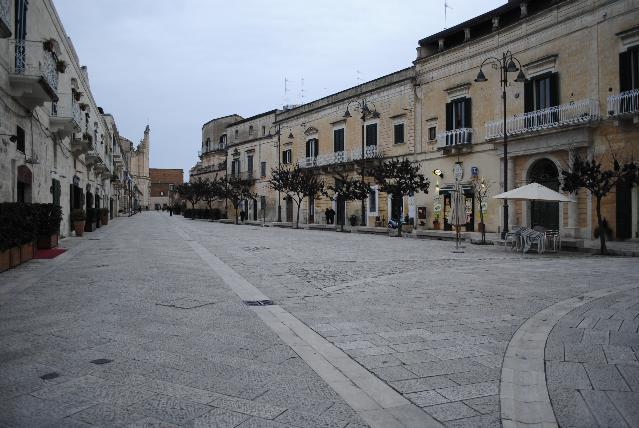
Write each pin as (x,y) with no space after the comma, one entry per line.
(279,164)
(504,83)
(363,164)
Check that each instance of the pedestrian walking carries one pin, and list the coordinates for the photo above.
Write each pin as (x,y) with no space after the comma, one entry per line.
(171,211)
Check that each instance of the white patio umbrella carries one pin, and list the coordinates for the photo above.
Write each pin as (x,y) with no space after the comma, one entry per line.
(533,192)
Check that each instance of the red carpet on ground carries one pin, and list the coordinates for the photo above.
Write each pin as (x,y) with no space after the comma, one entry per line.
(48,254)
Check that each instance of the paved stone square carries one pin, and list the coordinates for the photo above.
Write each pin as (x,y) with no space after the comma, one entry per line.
(184,351)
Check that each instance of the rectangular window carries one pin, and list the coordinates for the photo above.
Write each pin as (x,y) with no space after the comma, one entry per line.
(312,148)
(249,165)
(263,169)
(286,156)
(251,130)
(541,92)
(371,134)
(235,167)
(432,133)
(372,202)
(338,140)
(629,70)
(458,114)
(263,130)
(237,133)
(262,203)
(20,146)
(398,129)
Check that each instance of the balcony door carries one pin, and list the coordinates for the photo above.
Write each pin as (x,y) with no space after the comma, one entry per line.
(545,214)
(458,116)
(312,148)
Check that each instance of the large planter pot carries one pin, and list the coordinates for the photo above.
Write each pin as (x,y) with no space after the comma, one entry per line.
(436,225)
(78,226)
(89,226)
(5,260)
(104,220)
(26,252)
(14,254)
(48,241)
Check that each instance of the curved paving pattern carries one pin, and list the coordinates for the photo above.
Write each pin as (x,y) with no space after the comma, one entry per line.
(592,363)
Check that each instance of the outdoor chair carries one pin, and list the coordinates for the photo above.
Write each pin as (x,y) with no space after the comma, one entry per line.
(530,237)
(513,237)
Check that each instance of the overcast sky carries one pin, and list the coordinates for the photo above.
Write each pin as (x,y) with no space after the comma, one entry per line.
(179,64)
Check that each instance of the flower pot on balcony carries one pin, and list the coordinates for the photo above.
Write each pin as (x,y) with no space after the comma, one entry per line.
(46,242)
(61,66)
(5,260)
(14,255)
(48,45)
(26,252)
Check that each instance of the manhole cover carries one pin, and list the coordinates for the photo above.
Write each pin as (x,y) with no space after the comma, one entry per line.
(101,361)
(258,302)
(50,376)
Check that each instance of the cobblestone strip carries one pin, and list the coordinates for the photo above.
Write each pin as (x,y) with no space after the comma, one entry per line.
(375,402)
(523,393)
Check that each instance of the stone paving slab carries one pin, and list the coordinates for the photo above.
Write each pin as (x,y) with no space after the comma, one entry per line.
(446,318)
(599,384)
(184,350)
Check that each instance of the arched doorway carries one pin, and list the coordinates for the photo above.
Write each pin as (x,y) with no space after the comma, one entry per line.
(546,214)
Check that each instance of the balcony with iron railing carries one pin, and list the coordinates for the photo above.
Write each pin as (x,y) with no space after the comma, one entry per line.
(576,113)
(217,147)
(92,157)
(334,158)
(81,144)
(65,117)
(624,104)
(455,138)
(33,74)
(243,175)
(5,19)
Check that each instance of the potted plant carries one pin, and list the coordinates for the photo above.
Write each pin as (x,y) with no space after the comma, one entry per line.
(436,224)
(353,220)
(104,216)
(78,218)
(408,224)
(49,218)
(48,45)
(83,106)
(87,137)
(61,66)
(91,219)
(77,95)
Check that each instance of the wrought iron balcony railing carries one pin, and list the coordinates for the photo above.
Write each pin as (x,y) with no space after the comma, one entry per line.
(455,137)
(30,59)
(370,152)
(624,103)
(68,111)
(571,114)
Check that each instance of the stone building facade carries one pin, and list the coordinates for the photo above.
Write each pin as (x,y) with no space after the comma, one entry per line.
(139,170)
(580,97)
(56,144)
(163,183)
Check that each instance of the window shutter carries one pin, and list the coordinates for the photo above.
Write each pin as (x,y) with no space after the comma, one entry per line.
(468,114)
(529,99)
(71,201)
(316,142)
(449,116)
(625,71)
(284,156)
(308,148)
(554,89)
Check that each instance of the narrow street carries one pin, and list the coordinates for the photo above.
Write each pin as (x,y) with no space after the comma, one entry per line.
(142,323)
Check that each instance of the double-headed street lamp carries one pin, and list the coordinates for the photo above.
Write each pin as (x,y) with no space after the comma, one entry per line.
(362,106)
(507,64)
(278,131)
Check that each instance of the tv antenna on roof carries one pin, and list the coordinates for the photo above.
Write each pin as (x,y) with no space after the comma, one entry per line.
(302,92)
(446,7)
(285,91)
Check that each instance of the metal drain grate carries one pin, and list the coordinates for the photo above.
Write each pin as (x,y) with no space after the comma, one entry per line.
(101,361)
(258,302)
(50,376)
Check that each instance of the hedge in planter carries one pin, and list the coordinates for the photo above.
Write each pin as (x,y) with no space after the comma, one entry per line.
(18,229)
(49,218)
(91,219)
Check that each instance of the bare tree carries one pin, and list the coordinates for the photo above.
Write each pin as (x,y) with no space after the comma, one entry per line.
(400,178)
(234,190)
(296,183)
(599,181)
(349,189)
(481,188)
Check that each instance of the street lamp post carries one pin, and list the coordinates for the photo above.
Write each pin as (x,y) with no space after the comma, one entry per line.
(507,64)
(362,107)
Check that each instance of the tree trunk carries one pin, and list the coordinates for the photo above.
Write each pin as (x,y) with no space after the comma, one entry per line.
(236,220)
(483,226)
(297,220)
(602,232)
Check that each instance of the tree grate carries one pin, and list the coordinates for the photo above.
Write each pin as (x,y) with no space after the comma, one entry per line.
(101,361)
(258,302)
(50,376)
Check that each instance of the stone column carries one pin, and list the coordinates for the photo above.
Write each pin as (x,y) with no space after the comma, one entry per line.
(573,208)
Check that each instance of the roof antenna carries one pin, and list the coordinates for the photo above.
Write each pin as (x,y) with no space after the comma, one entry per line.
(302,92)
(359,77)
(285,91)
(446,7)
